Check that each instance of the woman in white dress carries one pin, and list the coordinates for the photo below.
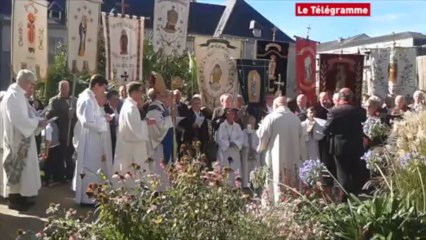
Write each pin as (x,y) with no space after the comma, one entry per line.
(230,139)
(313,134)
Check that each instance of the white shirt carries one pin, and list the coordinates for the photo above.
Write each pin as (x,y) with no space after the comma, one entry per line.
(47,133)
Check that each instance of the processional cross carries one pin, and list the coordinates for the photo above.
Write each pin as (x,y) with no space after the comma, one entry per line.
(123,6)
(309,29)
(274,31)
(279,84)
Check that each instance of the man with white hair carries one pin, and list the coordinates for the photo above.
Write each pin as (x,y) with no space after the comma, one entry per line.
(63,106)
(336,99)
(419,101)
(21,178)
(302,102)
(281,136)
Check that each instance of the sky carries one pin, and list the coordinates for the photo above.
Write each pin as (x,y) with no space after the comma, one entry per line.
(387,16)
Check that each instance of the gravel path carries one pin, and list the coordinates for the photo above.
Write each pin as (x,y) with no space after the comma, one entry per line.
(33,219)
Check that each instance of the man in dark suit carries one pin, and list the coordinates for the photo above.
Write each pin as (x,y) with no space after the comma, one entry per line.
(197,132)
(63,106)
(322,112)
(345,130)
(113,107)
(184,125)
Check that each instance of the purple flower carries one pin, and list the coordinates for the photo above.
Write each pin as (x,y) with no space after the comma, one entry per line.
(311,172)
(405,160)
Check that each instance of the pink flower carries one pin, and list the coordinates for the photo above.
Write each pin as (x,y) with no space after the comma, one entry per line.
(116,176)
(128,176)
(237,183)
(40,234)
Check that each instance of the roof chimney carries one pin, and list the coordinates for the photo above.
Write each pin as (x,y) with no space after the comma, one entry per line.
(340,39)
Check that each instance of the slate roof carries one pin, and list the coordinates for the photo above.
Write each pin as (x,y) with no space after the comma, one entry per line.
(203,17)
(419,38)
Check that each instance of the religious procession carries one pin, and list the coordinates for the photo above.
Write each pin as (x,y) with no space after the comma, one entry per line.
(156,130)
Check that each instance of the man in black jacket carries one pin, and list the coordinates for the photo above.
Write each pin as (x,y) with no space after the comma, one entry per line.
(345,130)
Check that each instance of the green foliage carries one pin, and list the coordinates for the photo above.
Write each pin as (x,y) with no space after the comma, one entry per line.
(168,67)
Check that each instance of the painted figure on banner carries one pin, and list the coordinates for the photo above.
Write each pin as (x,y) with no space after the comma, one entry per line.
(215,77)
(308,70)
(172,19)
(31,32)
(124,42)
(254,89)
(272,67)
(83,34)
(393,71)
(340,77)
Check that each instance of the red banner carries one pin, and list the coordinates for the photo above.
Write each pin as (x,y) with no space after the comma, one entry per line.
(305,68)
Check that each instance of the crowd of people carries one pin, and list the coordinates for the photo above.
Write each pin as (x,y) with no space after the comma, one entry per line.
(109,131)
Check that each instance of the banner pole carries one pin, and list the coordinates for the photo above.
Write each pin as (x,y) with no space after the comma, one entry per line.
(74,83)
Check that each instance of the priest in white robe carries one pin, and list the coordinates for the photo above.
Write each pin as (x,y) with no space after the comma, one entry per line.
(160,146)
(2,188)
(107,157)
(281,136)
(230,139)
(133,135)
(21,178)
(92,124)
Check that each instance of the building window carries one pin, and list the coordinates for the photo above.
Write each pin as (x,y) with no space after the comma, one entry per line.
(249,52)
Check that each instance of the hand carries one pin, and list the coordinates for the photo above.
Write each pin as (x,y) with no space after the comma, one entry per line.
(108,117)
(42,123)
(150,121)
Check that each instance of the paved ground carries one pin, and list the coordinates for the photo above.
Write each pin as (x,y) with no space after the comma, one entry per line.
(11,220)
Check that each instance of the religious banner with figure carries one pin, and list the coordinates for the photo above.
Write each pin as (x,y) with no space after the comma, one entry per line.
(217,70)
(123,47)
(379,64)
(253,76)
(277,54)
(421,72)
(83,30)
(402,71)
(306,68)
(29,37)
(339,71)
(170,26)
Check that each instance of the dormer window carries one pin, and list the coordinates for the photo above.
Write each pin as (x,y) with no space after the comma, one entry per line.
(55,14)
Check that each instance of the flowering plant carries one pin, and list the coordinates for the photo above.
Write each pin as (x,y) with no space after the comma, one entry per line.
(374,159)
(311,172)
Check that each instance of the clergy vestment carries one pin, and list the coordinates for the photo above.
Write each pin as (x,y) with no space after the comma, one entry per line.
(312,138)
(132,138)
(230,139)
(280,134)
(21,173)
(160,146)
(90,133)
(250,158)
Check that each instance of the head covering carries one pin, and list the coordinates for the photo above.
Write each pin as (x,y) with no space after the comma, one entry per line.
(158,83)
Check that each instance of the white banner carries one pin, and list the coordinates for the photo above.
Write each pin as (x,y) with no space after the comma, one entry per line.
(83,29)
(29,37)
(406,78)
(379,64)
(421,72)
(123,47)
(217,69)
(170,26)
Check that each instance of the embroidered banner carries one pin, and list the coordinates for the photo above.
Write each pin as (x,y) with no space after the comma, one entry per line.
(379,64)
(402,71)
(421,72)
(277,54)
(29,37)
(123,47)
(253,75)
(170,26)
(83,29)
(338,71)
(306,68)
(217,71)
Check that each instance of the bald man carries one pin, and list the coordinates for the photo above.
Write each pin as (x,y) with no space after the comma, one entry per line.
(63,106)
(344,129)
(281,137)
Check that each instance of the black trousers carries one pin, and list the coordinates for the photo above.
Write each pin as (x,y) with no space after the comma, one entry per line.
(54,168)
(328,160)
(349,173)
(67,157)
